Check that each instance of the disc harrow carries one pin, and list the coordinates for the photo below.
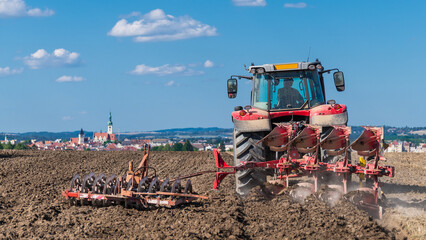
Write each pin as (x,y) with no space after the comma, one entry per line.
(135,189)
(301,147)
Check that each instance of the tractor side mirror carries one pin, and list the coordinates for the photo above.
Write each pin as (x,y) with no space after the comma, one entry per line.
(339,81)
(232,87)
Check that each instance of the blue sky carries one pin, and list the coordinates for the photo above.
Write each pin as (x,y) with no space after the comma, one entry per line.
(164,64)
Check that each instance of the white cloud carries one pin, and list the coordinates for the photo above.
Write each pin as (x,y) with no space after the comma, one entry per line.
(170,83)
(66,118)
(249,3)
(18,8)
(69,79)
(6,71)
(295,5)
(158,26)
(37,12)
(59,58)
(208,64)
(132,14)
(166,69)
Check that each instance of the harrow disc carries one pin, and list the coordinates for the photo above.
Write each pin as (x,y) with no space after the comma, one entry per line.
(74,187)
(176,188)
(143,185)
(188,187)
(154,186)
(88,182)
(99,184)
(165,186)
(75,183)
(110,185)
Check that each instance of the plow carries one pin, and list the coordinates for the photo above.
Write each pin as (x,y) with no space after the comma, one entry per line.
(137,189)
(301,146)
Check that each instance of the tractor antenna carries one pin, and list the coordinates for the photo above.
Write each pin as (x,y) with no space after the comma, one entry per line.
(309,53)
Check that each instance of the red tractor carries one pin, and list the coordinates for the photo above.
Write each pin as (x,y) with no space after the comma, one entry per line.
(289,130)
(282,93)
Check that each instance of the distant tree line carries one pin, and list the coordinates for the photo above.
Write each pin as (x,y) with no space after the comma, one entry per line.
(412,138)
(187,146)
(19,146)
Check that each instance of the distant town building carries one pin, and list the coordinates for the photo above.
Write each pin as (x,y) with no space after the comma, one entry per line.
(159,142)
(110,124)
(80,139)
(108,136)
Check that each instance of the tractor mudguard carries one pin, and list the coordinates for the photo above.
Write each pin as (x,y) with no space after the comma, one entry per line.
(259,125)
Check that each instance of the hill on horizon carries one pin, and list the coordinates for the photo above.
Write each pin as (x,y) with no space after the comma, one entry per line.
(412,134)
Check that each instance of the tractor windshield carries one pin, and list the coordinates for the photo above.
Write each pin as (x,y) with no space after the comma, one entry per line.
(288,90)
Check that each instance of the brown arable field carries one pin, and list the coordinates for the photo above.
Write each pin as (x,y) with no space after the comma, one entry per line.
(32,207)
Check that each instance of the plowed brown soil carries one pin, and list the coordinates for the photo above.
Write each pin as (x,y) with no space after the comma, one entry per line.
(31,205)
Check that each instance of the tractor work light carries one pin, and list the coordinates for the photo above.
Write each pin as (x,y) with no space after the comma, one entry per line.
(260,70)
(311,67)
(253,70)
(319,66)
(287,66)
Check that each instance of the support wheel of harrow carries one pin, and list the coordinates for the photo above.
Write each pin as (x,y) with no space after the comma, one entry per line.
(247,149)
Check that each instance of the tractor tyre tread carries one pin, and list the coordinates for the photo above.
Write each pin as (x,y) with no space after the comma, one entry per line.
(247,149)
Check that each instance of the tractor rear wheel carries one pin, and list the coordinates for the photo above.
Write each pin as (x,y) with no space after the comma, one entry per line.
(247,149)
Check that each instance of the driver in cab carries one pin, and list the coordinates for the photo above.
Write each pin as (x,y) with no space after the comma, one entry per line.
(289,97)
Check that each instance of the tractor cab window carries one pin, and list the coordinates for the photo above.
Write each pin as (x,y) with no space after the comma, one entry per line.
(293,90)
(288,91)
(260,91)
(316,95)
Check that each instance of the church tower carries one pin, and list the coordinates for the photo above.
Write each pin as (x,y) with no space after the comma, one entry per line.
(81,137)
(110,124)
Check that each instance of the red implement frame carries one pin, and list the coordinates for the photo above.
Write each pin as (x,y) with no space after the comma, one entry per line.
(127,189)
(283,138)
(128,197)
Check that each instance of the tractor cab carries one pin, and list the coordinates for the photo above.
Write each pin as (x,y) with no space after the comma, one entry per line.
(291,86)
(287,92)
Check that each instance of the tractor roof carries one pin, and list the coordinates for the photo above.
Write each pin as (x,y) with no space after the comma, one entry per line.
(286,67)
